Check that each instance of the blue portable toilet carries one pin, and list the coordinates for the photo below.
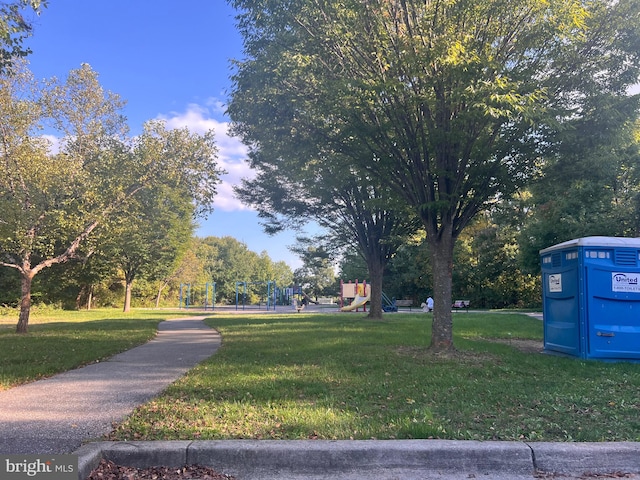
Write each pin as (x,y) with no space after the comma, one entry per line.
(591,298)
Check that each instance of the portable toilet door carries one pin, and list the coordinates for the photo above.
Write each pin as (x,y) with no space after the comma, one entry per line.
(591,298)
(561,309)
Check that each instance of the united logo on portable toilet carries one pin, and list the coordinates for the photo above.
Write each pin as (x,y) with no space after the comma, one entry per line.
(555,282)
(625,282)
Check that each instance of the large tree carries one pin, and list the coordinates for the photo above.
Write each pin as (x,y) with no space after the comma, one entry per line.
(455,100)
(301,176)
(153,229)
(356,212)
(52,201)
(147,238)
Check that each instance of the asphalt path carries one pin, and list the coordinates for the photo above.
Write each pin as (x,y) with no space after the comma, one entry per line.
(58,414)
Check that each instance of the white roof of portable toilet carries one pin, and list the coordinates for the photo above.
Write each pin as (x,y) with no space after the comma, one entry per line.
(595,242)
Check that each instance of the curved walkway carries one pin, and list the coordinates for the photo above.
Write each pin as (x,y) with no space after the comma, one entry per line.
(58,414)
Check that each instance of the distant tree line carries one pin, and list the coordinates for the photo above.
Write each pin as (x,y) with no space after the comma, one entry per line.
(98,282)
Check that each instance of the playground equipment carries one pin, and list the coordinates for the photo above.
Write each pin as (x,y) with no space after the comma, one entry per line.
(361,295)
(196,296)
(298,298)
(389,304)
(359,292)
(204,296)
(270,297)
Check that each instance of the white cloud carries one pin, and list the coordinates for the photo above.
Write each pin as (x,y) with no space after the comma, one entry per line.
(216,105)
(231,153)
(54,143)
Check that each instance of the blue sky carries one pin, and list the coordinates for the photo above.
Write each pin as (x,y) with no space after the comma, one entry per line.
(168,60)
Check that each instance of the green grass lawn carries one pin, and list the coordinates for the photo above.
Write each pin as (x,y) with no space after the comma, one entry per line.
(61,340)
(343,376)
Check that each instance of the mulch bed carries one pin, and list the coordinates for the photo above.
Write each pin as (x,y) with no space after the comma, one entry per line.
(108,470)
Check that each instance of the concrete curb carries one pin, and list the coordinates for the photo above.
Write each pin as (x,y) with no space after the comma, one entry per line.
(587,458)
(379,459)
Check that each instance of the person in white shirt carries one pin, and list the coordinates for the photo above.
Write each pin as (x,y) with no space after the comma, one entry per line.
(428,306)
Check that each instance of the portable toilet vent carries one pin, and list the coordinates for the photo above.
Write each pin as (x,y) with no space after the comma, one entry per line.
(591,298)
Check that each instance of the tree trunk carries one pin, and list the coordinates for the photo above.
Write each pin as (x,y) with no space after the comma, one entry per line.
(442,262)
(84,297)
(26,278)
(89,297)
(159,295)
(127,296)
(376,272)
(79,297)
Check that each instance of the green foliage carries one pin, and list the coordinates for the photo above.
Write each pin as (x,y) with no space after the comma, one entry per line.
(316,276)
(488,269)
(55,200)
(178,261)
(15,26)
(352,267)
(589,188)
(409,274)
(145,242)
(487,266)
(438,94)
(83,283)
(100,179)
(9,287)
(448,104)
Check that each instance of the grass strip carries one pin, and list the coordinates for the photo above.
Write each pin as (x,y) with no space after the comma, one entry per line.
(343,376)
(61,340)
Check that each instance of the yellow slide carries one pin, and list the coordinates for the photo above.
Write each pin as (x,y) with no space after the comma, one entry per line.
(357,302)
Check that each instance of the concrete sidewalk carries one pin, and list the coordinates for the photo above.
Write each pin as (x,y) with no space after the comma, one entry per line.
(58,414)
